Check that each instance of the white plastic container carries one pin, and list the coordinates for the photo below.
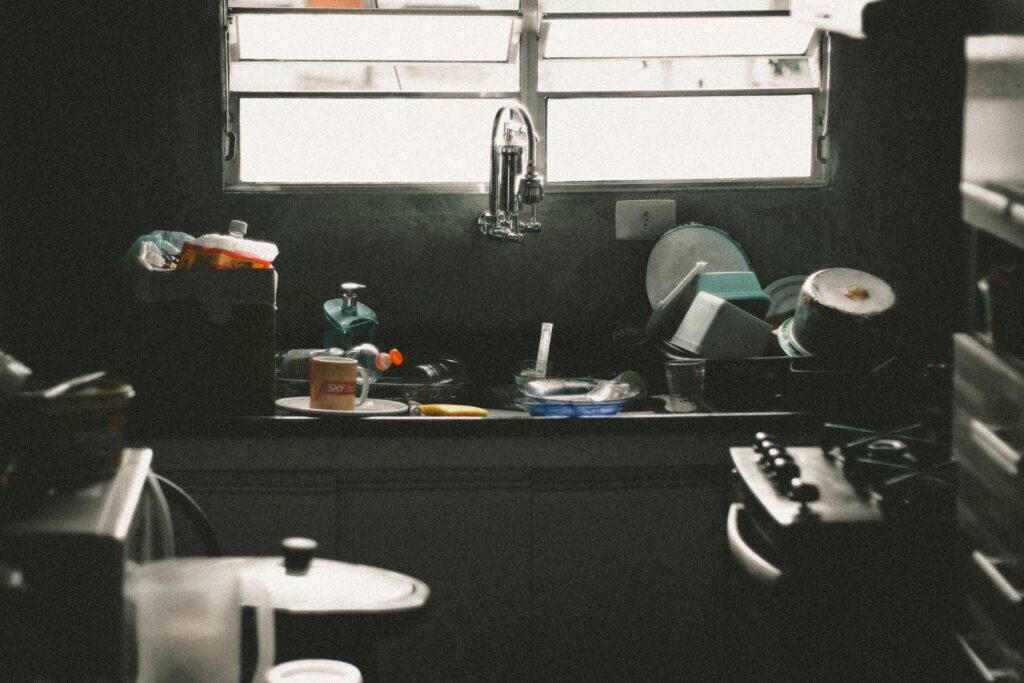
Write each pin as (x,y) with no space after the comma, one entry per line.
(314,671)
(715,328)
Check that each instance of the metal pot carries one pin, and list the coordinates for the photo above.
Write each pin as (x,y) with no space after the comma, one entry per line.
(844,316)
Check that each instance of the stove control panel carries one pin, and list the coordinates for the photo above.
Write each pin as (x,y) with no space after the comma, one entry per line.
(802,484)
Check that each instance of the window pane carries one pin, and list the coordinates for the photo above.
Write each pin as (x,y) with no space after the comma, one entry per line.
(374,77)
(674,37)
(382,4)
(679,138)
(457,4)
(681,75)
(605,6)
(302,140)
(374,37)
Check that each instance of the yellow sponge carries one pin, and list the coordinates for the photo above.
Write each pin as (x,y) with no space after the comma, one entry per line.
(449,409)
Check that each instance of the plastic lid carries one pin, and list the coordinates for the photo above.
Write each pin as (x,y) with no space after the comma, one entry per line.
(329,586)
(238,228)
(314,671)
(396,357)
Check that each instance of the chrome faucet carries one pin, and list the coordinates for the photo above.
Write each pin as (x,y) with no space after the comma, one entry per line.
(510,188)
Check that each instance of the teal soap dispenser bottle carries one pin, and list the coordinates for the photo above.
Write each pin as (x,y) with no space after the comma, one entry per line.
(349,322)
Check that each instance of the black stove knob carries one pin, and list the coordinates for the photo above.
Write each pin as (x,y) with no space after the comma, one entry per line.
(764,441)
(802,492)
(770,455)
(785,471)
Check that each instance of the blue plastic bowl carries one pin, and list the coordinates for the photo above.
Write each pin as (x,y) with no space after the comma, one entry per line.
(571,409)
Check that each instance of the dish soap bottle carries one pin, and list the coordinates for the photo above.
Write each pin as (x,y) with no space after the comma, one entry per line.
(373,359)
(349,322)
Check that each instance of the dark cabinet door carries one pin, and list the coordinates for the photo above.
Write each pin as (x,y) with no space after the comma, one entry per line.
(628,580)
(251,512)
(468,538)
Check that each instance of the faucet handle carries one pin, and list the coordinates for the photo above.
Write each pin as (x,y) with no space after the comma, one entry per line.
(531,189)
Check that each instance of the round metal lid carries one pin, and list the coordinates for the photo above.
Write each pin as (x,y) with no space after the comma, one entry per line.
(329,586)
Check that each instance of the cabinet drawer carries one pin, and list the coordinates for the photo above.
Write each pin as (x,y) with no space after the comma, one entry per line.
(998,504)
(988,389)
(987,656)
(991,446)
(993,578)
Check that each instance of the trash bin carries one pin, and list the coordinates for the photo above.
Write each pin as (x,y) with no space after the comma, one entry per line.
(201,342)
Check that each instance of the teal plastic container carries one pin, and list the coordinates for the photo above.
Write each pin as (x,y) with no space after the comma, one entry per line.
(348,322)
(740,288)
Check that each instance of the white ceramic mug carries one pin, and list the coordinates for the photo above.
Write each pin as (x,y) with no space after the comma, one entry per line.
(332,383)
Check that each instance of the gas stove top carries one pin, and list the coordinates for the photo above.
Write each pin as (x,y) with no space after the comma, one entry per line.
(856,484)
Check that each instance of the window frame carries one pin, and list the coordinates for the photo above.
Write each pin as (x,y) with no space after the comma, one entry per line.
(529,49)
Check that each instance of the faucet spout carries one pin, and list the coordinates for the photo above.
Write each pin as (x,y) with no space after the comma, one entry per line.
(510,188)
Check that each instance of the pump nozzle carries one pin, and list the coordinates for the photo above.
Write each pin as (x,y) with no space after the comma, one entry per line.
(348,293)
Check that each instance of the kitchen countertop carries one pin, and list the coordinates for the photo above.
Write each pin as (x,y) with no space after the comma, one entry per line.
(298,443)
(498,423)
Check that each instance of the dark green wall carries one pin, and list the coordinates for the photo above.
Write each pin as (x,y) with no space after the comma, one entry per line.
(111,128)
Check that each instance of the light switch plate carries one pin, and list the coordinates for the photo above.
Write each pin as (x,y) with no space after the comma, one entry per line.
(644,219)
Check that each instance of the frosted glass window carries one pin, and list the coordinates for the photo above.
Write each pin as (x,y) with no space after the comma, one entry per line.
(300,36)
(605,6)
(322,141)
(674,37)
(453,4)
(679,138)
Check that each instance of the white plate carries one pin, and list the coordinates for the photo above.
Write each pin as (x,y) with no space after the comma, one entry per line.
(784,293)
(677,251)
(371,406)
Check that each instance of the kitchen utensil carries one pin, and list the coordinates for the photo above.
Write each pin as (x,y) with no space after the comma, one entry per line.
(575,397)
(187,618)
(784,294)
(844,315)
(789,345)
(678,250)
(314,671)
(332,383)
(449,410)
(739,288)
(670,311)
(372,407)
(62,442)
(715,328)
(685,380)
(407,389)
(577,390)
(58,389)
(543,348)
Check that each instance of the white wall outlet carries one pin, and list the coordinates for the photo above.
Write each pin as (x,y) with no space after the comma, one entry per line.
(644,219)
